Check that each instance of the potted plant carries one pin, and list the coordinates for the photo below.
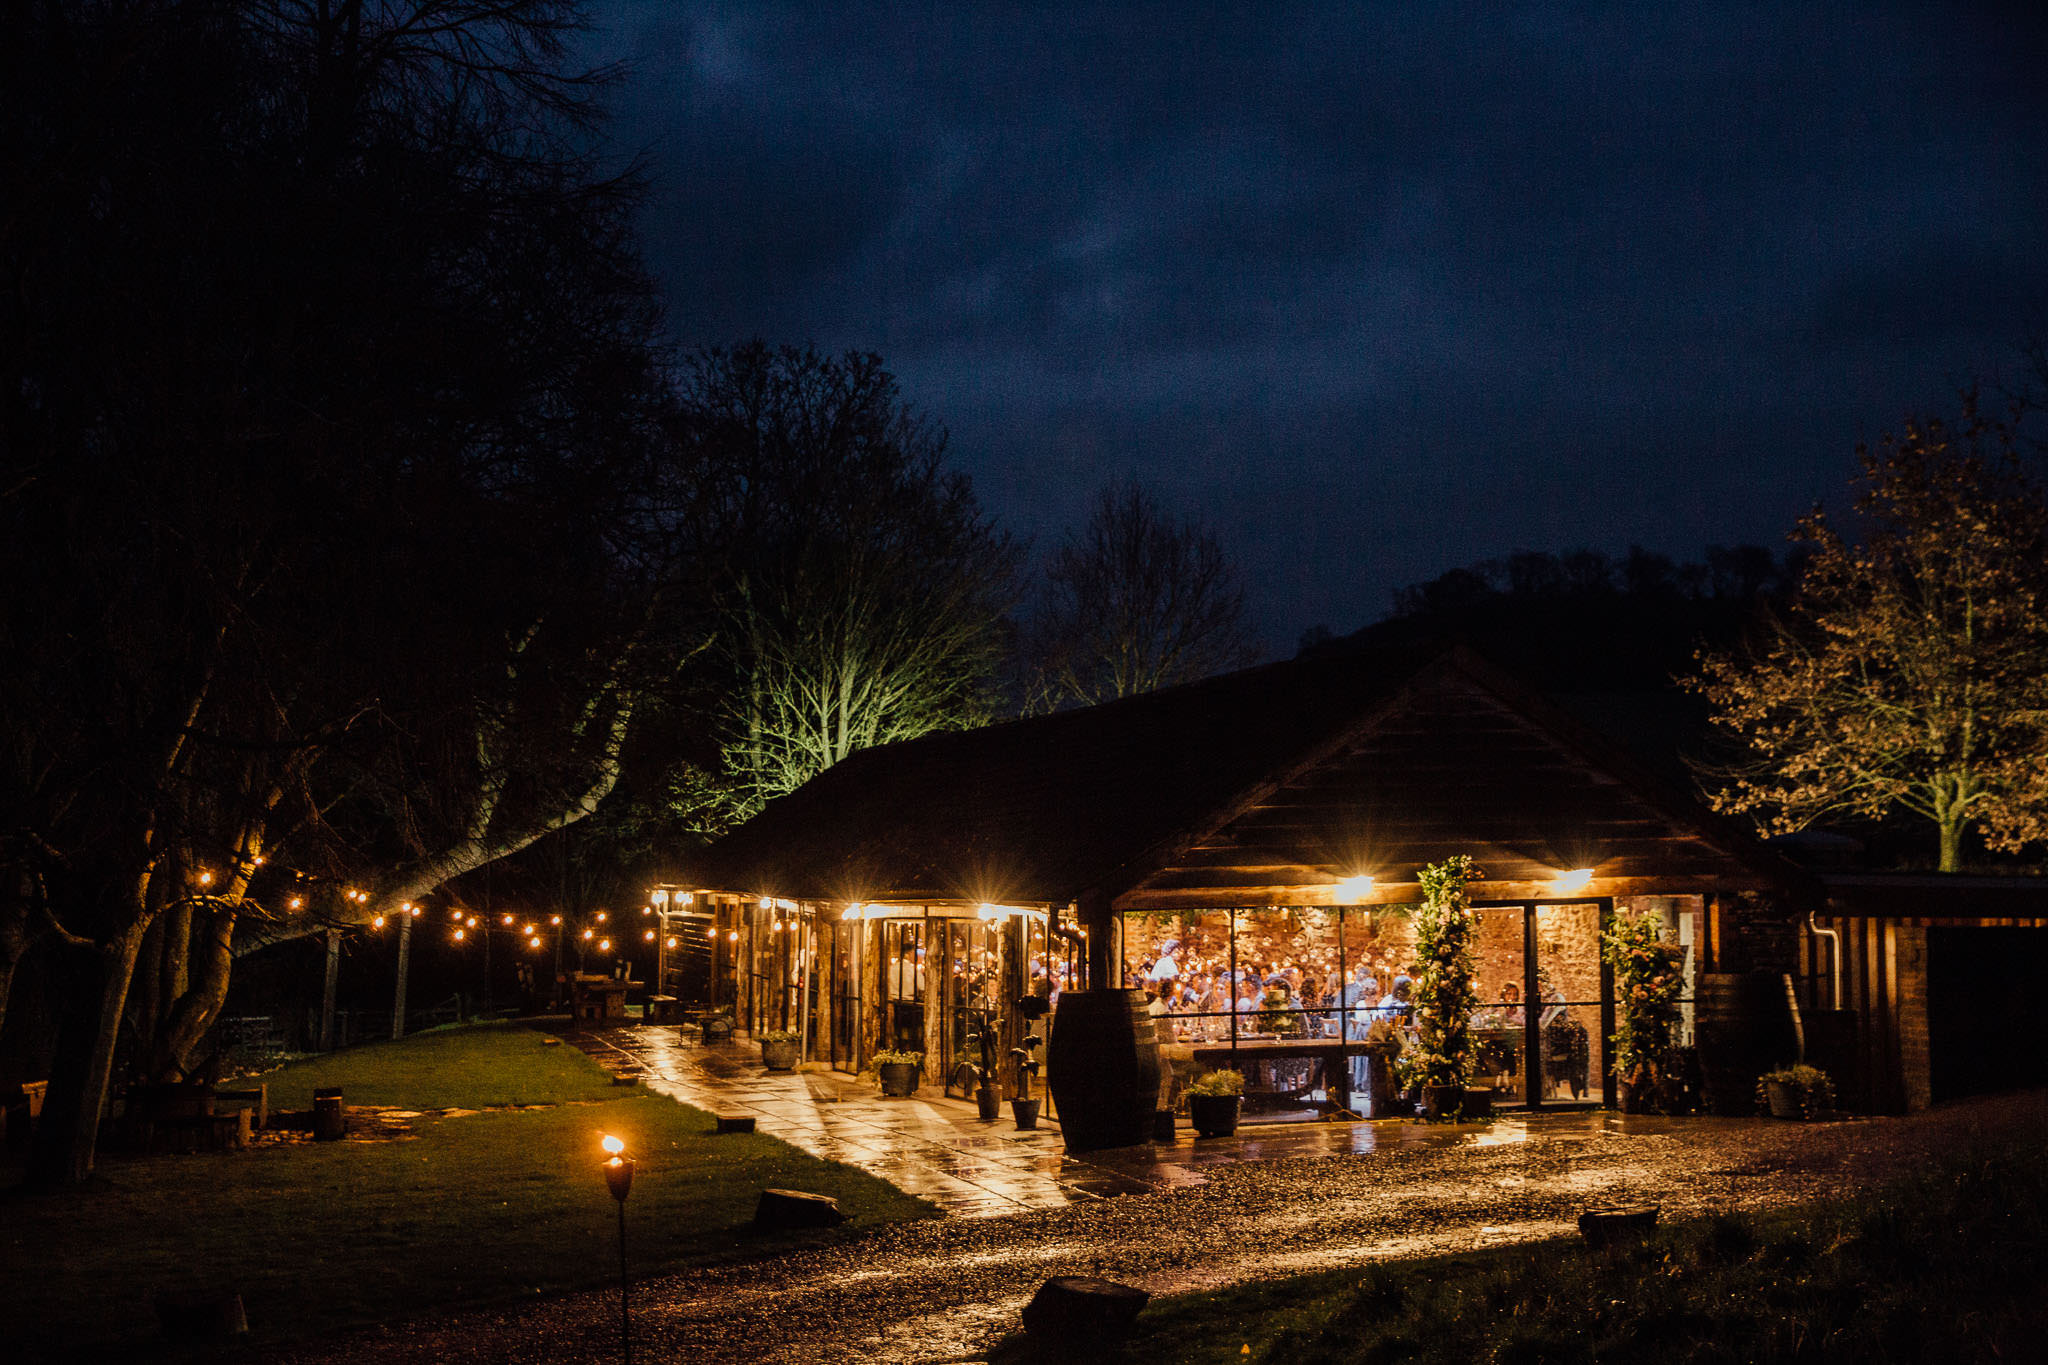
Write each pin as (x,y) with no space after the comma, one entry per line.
(778,1049)
(1648,979)
(982,1062)
(899,1071)
(1795,1092)
(1213,1102)
(1024,1107)
(1441,1057)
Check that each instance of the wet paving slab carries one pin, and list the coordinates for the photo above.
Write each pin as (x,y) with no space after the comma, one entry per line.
(929,1145)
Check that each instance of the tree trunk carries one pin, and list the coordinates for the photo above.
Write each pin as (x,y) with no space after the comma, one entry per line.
(1952,842)
(193,1013)
(67,1139)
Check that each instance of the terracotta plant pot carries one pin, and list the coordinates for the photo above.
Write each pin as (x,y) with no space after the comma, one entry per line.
(779,1055)
(898,1078)
(988,1104)
(1025,1112)
(1214,1115)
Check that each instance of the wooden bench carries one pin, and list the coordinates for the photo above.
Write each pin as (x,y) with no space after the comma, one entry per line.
(256,1098)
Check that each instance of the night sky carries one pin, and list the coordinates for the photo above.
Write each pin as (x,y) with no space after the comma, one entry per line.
(1376,291)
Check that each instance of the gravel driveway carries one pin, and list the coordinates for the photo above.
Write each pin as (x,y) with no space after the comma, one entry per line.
(947,1289)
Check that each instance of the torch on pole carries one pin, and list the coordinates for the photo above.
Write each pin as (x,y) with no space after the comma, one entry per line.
(618,1175)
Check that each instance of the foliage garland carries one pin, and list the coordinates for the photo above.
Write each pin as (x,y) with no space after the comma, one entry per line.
(1648,980)
(1444,993)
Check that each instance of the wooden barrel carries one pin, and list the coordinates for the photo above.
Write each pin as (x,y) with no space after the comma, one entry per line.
(330,1121)
(1102,1064)
(1743,1028)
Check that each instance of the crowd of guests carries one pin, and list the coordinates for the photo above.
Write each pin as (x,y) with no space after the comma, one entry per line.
(1281,1001)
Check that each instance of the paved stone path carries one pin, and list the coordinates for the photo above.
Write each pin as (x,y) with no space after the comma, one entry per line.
(939,1148)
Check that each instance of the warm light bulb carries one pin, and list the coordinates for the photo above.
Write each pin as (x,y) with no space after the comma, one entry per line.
(507,919)
(471,921)
(554,919)
(604,945)
(206,879)
(377,923)
(734,936)
(458,936)
(646,909)
(613,1145)
(852,911)
(602,917)
(1352,890)
(529,931)
(767,902)
(587,933)
(294,903)
(1569,883)
(649,936)
(417,912)
(671,943)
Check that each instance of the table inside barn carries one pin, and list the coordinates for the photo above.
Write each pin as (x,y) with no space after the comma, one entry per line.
(1279,1072)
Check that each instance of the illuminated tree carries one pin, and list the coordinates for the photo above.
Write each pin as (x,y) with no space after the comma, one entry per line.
(1910,672)
(863,592)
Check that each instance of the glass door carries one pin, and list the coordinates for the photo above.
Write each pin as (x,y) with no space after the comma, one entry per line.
(903,968)
(845,970)
(1570,1001)
(1500,1030)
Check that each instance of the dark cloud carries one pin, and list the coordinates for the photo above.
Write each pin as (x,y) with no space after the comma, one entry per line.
(1377,290)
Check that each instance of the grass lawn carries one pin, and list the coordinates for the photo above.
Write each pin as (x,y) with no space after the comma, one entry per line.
(1952,1266)
(475,1208)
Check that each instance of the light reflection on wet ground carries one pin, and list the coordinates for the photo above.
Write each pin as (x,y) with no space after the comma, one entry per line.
(939,1148)
(1276,1202)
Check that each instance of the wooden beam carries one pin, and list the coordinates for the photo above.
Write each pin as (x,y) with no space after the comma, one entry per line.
(1409,893)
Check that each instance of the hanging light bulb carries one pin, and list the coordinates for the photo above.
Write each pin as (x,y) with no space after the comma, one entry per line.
(604,945)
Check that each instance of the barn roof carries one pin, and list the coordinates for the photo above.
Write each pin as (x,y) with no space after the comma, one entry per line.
(1250,786)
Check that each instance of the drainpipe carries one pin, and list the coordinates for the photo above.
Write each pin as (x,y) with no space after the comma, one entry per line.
(1834,937)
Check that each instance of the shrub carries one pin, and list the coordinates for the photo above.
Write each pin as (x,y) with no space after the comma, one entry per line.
(1224,1082)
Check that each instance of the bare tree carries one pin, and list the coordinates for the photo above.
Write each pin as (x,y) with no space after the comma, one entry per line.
(1139,600)
(327,378)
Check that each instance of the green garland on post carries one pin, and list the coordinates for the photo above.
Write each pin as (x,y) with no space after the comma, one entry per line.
(1444,994)
(1648,981)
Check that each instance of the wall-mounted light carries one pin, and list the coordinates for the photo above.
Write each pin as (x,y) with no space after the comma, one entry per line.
(1352,890)
(1572,882)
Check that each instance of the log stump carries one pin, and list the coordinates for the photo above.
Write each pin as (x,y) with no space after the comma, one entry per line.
(782,1210)
(201,1317)
(1070,1311)
(1617,1225)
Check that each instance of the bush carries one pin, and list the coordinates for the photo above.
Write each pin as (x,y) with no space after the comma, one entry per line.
(891,1058)
(1224,1082)
(777,1035)
(1815,1091)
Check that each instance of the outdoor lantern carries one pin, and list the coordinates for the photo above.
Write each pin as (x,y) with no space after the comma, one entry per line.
(618,1170)
(618,1178)
(1352,890)
(1572,882)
